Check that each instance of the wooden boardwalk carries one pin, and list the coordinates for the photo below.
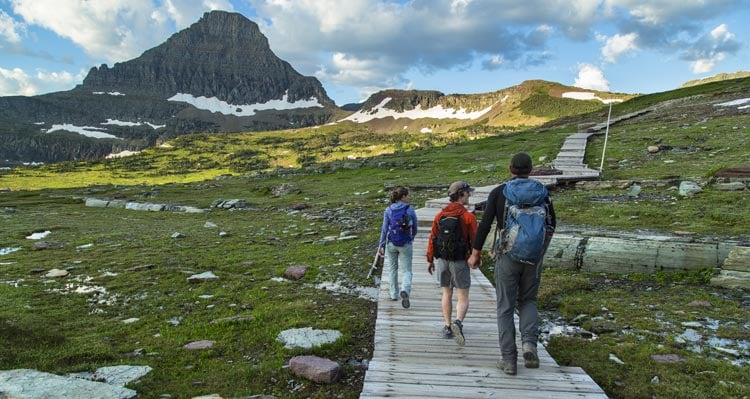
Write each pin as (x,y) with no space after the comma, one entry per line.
(413,360)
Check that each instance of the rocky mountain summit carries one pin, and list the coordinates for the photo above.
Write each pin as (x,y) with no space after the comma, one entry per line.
(223,55)
(218,75)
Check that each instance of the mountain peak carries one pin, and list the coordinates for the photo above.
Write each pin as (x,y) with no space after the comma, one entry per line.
(223,56)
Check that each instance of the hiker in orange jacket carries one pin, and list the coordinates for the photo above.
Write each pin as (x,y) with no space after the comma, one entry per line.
(451,252)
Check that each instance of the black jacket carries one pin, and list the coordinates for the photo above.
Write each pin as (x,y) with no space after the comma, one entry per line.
(494,210)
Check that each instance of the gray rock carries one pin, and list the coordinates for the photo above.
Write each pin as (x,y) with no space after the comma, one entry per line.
(118,204)
(32,384)
(315,368)
(732,186)
(307,337)
(203,277)
(121,375)
(233,318)
(56,273)
(152,207)
(634,191)
(295,272)
(96,203)
(671,358)
(46,245)
(691,335)
(204,344)
(689,188)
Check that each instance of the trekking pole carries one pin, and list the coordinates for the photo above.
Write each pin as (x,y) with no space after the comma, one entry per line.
(374,263)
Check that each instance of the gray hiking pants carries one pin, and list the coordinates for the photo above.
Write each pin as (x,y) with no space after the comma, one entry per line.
(516,282)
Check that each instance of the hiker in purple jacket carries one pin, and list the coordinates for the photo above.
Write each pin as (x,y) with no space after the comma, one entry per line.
(396,237)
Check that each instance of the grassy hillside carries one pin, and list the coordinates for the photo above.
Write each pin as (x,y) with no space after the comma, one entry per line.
(309,187)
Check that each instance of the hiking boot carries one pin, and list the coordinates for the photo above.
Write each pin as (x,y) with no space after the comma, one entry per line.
(530,358)
(447,333)
(507,366)
(458,331)
(405,300)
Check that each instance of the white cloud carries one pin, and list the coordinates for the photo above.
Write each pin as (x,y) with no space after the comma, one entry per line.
(16,82)
(425,36)
(706,65)
(64,78)
(186,12)
(10,28)
(619,45)
(590,77)
(710,49)
(114,30)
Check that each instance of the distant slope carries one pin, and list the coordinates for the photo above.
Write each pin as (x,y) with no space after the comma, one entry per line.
(532,103)
(717,78)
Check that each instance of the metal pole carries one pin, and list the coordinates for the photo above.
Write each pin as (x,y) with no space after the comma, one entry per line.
(606,135)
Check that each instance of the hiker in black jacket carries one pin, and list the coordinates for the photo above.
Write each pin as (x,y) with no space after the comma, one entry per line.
(515,281)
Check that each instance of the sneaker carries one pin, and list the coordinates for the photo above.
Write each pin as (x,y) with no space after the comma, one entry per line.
(405,300)
(447,333)
(458,331)
(530,358)
(507,366)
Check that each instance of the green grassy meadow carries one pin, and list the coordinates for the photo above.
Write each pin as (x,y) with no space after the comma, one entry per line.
(341,173)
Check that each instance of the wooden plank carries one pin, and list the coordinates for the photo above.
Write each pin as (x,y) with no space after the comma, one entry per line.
(415,390)
(411,358)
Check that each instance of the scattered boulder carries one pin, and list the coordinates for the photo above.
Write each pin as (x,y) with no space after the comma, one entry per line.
(96,203)
(38,246)
(284,189)
(32,384)
(202,278)
(230,204)
(315,368)
(204,344)
(232,318)
(731,186)
(300,206)
(135,206)
(689,188)
(56,273)
(120,375)
(634,191)
(307,338)
(670,358)
(295,272)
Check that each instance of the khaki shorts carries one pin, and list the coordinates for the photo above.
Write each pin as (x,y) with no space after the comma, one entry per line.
(453,273)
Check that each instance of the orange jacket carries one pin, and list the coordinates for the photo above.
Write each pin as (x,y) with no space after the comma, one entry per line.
(468,228)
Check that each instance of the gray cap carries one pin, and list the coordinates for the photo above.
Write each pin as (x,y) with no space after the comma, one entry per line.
(459,186)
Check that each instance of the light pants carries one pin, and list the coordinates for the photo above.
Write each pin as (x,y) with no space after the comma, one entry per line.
(398,258)
(516,282)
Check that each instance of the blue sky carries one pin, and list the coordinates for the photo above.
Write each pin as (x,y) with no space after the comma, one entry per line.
(357,47)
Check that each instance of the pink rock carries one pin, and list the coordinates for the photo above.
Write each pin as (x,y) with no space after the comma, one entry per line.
(295,272)
(205,344)
(315,368)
